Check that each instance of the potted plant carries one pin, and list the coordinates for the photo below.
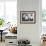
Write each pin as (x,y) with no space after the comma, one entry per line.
(1,22)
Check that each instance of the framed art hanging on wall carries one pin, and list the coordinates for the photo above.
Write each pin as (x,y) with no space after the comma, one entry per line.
(27,17)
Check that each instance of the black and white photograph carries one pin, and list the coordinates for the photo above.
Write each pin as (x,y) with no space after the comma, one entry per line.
(28,17)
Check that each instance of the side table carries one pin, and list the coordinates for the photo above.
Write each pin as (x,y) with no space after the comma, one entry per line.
(1,34)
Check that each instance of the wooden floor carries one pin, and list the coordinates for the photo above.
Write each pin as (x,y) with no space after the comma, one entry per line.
(43,44)
(2,43)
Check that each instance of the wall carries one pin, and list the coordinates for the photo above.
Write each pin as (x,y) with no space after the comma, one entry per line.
(30,31)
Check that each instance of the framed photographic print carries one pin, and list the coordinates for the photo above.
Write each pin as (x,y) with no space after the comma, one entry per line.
(27,17)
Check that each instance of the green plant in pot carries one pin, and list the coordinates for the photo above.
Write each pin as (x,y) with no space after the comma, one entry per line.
(1,22)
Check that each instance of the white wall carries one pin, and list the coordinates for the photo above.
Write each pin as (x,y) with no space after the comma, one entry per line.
(30,31)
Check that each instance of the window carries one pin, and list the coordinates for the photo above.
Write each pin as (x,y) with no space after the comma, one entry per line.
(1,9)
(43,12)
(11,11)
(8,11)
(44,16)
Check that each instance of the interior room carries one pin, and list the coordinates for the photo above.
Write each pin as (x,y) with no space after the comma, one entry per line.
(22,22)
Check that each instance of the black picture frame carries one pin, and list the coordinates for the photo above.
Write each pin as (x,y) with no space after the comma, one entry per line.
(27,17)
